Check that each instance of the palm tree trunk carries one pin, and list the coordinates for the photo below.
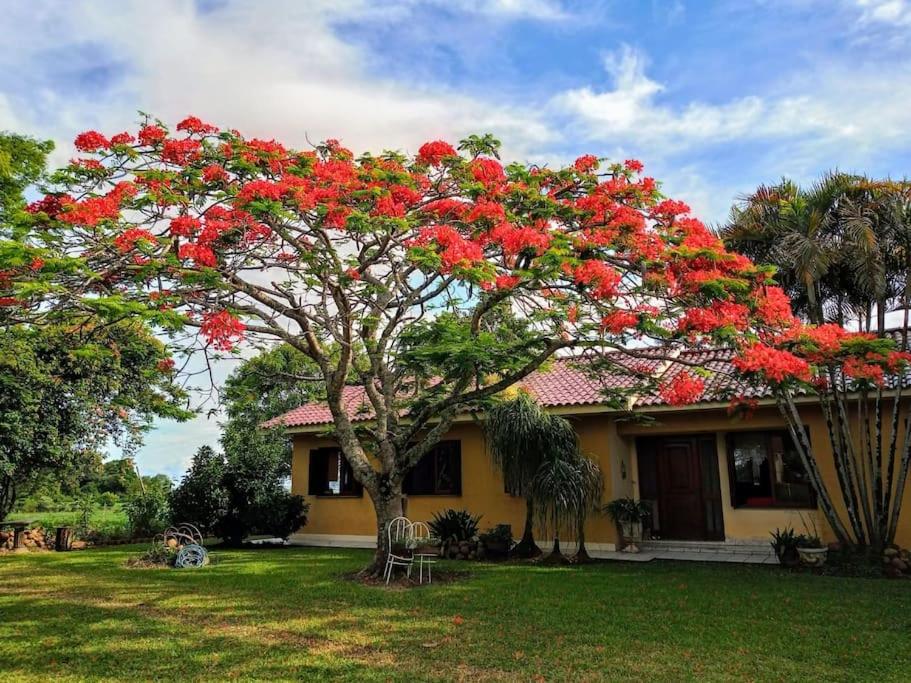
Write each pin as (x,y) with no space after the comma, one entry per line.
(527,546)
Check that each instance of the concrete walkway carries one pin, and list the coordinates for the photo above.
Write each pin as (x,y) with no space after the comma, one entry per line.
(697,551)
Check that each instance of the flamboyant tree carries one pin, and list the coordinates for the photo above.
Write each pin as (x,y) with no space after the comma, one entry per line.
(436,280)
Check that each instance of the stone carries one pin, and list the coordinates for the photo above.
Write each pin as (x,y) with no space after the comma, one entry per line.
(79,545)
(890,552)
(834,547)
(899,564)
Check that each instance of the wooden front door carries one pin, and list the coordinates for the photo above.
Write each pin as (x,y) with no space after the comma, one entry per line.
(680,474)
(680,490)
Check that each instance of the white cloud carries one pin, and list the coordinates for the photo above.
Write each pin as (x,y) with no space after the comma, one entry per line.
(893,12)
(822,111)
(283,73)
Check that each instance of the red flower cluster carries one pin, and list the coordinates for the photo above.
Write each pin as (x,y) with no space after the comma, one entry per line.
(856,368)
(433,153)
(184,226)
(126,241)
(222,330)
(602,279)
(192,124)
(720,314)
(199,253)
(488,172)
(122,139)
(772,364)
(214,174)
(586,163)
(515,240)
(457,252)
(180,151)
(92,211)
(682,389)
(618,322)
(152,135)
(773,307)
(91,141)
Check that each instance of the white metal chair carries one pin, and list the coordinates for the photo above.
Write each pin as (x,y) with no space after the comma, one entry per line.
(421,532)
(397,533)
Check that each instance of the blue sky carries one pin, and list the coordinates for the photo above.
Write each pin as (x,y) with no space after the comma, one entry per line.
(714,97)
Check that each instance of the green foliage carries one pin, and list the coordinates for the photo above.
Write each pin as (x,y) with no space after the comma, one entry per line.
(454,526)
(201,497)
(628,510)
(22,163)
(148,514)
(501,533)
(521,435)
(66,391)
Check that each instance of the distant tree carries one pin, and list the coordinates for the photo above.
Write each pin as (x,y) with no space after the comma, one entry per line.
(66,391)
(201,497)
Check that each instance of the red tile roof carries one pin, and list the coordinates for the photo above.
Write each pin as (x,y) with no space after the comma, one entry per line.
(564,384)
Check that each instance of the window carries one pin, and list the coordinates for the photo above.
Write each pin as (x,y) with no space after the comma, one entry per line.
(331,475)
(766,471)
(438,473)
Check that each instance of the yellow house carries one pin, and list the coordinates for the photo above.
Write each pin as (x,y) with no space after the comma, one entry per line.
(710,476)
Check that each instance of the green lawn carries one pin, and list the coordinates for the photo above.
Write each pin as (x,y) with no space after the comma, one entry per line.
(287,613)
(100,517)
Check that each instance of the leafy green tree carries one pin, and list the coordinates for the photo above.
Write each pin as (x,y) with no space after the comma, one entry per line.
(201,497)
(66,391)
(22,163)
(147,513)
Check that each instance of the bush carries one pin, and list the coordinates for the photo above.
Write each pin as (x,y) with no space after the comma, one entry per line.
(108,499)
(201,498)
(454,526)
(148,514)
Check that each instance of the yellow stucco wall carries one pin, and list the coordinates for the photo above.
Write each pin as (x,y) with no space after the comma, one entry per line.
(613,446)
(482,487)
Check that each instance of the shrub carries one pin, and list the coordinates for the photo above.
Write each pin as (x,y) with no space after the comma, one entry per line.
(201,497)
(500,534)
(108,499)
(454,526)
(148,514)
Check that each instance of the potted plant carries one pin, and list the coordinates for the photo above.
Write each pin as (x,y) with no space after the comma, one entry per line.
(427,546)
(404,547)
(628,514)
(498,540)
(785,543)
(811,551)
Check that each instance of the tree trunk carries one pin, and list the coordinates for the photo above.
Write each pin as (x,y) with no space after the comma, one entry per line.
(527,546)
(7,496)
(388,505)
(556,556)
(581,556)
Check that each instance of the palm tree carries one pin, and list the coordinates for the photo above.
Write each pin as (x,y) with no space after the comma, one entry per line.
(521,436)
(568,488)
(795,230)
(591,486)
(843,251)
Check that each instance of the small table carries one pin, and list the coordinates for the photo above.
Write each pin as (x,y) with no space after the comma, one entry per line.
(19,526)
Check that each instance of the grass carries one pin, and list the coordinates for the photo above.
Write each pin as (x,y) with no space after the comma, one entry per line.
(100,517)
(288,613)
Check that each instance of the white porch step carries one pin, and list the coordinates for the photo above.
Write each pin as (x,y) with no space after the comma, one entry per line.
(710,551)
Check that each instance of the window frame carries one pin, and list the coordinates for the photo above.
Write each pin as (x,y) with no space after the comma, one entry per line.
(457,491)
(768,435)
(358,491)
